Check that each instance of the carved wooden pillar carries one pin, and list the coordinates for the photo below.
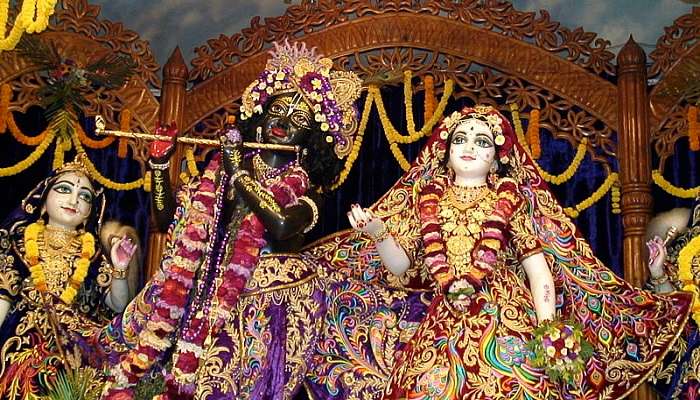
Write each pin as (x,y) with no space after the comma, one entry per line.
(634,153)
(172,105)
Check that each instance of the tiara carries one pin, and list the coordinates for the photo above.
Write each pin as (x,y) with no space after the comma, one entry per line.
(79,164)
(331,95)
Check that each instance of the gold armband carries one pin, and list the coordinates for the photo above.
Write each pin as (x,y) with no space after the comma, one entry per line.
(314,211)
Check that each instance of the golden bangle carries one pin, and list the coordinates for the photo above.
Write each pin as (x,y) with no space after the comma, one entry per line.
(660,280)
(314,211)
(119,273)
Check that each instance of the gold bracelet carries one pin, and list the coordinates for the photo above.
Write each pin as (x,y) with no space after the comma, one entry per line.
(314,212)
(382,235)
(119,273)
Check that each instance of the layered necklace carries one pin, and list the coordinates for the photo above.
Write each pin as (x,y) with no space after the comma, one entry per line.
(462,212)
(265,173)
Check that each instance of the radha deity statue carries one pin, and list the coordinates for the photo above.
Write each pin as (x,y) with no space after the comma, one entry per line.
(518,296)
(57,286)
(244,205)
(674,264)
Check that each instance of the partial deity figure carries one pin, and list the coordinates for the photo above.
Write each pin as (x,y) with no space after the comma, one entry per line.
(247,206)
(674,264)
(521,307)
(57,284)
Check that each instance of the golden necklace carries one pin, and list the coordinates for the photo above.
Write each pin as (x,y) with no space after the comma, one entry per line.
(462,213)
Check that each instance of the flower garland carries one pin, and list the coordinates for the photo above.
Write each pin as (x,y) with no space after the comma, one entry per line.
(350,161)
(533,134)
(106,182)
(574,212)
(229,282)
(124,124)
(615,197)
(429,99)
(570,170)
(92,143)
(31,159)
(693,130)
(31,237)
(686,276)
(5,95)
(194,228)
(671,189)
(561,349)
(25,21)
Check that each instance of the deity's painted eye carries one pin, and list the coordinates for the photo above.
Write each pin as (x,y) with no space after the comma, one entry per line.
(483,142)
(301,119)
(459,139)
(278,108)
(63,189)
(85,196)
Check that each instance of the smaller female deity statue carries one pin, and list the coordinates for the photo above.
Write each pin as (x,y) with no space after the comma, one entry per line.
(56,284)
(522,309)
(674,264)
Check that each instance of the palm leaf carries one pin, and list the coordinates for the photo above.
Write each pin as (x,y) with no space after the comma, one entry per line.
(74,385)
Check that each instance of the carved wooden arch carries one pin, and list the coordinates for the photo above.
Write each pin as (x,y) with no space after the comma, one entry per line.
(511,56)
(676,59)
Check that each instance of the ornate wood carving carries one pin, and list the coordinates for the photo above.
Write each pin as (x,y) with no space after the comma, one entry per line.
(576,46)
(676,59)
(507,54)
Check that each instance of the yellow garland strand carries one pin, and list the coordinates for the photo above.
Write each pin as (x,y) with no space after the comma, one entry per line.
(570,170)
(95,174)
(693,131)
(32,18)
(593,198)
(58,155)
(671,189)
(191,163)
(615,196)
(685,273)
(350,161)
(31,159)
(147,181)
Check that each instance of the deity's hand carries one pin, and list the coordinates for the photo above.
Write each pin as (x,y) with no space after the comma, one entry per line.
(459,294)
(122,252)
(657,256)
(231,150)
(363,220)
(160,151)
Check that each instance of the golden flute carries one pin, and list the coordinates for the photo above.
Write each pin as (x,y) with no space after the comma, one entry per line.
(100,130)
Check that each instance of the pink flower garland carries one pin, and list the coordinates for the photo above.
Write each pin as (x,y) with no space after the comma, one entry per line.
(177,278)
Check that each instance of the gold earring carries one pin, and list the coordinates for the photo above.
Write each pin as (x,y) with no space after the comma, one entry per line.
(258,134)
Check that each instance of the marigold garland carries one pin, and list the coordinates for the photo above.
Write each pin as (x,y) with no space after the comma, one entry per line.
(124,124)
(671,189)
(350,161)
(87,250)
(21,137)
(570,170)
(5,95)
(686,276)
(593,198)
(92,143)
(31,159)
(25,21)
(95,174)
(533,134)
(693,130)
(615,197)
(429,97)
